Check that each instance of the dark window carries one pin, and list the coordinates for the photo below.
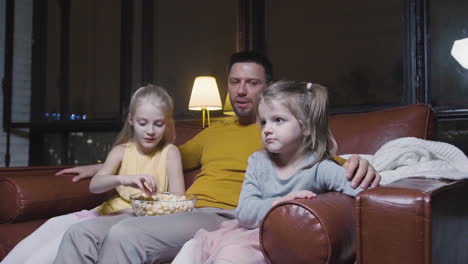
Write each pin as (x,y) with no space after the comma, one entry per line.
(449,80)
(355,48)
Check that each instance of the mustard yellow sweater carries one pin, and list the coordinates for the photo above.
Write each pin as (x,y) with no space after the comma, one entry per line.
(222,151)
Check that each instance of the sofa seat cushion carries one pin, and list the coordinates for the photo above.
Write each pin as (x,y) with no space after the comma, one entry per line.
(14,233)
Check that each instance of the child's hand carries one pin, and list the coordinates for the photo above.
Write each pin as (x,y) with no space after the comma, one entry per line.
(303,194)
(146,183)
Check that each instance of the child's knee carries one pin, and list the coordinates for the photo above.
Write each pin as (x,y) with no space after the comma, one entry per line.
(125,233)
(73,233)
(79,231)
(119,232)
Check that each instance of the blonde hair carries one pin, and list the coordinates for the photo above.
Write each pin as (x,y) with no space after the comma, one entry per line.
(309,105)
(158,97)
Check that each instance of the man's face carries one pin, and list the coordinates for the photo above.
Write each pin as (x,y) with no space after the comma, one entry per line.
(245,83)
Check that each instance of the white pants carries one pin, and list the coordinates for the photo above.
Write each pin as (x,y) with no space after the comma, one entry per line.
(42,245)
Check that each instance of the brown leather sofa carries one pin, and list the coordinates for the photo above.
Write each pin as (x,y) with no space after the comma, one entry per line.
(412,221)
(31,195)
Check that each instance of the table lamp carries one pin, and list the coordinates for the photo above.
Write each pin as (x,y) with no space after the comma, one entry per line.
(205,97)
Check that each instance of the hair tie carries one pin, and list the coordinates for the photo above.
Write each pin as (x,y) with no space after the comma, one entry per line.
(309,86)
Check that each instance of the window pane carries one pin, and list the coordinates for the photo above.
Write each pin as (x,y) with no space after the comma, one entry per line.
(449,80)
(22,55)
(77,148)
(354,48)
(454,132)
(93,58)
(192,41)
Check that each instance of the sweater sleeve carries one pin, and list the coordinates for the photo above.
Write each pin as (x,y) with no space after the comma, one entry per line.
(332,177)
(252,205)
(191,152)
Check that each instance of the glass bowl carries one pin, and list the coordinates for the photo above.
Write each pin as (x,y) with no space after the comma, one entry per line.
(162,203)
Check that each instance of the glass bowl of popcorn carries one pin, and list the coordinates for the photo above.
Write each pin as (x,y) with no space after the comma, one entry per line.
(162,203)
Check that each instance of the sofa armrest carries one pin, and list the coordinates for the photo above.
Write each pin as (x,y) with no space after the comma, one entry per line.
(319,230)
(31,196)
(415,220)
(12,234)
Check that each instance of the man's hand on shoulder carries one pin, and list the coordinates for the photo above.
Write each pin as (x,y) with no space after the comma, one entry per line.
(80,172)
(361,173)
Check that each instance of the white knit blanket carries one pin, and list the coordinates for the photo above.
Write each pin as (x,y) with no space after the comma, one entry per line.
(414,157)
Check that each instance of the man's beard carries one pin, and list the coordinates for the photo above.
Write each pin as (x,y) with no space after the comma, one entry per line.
(243,112)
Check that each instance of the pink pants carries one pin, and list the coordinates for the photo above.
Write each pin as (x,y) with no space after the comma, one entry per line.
(229,244)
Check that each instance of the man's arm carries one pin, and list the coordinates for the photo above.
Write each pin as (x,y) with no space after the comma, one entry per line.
(191,152)
(81,172)
(361,173)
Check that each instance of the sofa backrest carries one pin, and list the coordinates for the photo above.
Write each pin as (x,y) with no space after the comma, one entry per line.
(183,133)
(365,133)
(362,133)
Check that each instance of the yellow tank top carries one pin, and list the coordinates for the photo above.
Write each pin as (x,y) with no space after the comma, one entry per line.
(136,163)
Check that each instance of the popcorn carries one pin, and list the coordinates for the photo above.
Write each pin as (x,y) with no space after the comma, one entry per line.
(161,204)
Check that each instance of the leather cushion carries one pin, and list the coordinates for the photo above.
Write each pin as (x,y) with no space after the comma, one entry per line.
(329,221)
(365,133)
(28,197)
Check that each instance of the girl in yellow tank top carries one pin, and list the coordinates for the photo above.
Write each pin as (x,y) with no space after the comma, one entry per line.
(136,163)
(142,159)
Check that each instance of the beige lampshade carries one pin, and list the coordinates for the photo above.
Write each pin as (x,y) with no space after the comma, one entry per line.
(228,110)
(205,94)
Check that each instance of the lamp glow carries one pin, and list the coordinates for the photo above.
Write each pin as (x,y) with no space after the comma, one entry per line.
(205,97)
(460,52)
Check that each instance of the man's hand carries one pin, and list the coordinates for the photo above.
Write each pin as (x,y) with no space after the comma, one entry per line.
(81,172)
(361,173)
(303,194)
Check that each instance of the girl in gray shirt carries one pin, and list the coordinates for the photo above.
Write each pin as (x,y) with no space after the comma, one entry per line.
(296,164)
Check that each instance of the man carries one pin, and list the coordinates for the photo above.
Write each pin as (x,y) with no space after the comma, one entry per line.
(221,151)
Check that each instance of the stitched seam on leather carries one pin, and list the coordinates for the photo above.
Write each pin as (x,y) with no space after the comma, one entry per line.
(323,228)
(427,229)
(20,202)
(17,202)
(306,208)
(359,255)
(261,234)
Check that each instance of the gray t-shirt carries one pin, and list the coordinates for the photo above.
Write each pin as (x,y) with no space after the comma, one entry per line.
(262,185)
